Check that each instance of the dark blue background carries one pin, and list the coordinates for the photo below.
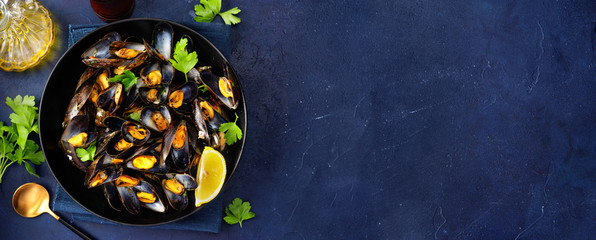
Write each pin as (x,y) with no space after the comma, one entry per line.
(388,120)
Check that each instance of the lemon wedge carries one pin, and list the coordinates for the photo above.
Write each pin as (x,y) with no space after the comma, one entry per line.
(211,174)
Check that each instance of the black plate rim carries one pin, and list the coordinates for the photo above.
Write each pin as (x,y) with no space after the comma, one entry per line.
(99,29)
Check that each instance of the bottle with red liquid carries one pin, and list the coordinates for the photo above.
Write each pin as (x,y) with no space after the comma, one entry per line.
(112,10)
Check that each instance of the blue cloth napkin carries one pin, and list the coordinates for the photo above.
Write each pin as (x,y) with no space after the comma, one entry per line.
(207,219)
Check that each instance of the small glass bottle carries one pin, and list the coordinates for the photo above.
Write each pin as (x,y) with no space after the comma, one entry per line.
(26,34)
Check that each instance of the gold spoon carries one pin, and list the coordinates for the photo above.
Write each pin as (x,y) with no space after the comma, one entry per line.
(31,200)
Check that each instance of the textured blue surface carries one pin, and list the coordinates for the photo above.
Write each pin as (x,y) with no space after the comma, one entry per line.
(389,120)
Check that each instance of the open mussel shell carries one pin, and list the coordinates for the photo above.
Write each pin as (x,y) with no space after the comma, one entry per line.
(118,147)
(111,193)
(212,114)
(147,159)
(156,118)
(114,123)
(129,199)
(175,187)
(197,140)
(181,98)
(99,173)
(101,49)
(110,99)
(176,145)
(149,197)
(78,101)
(163,38)
(76,135)
(154,95)
(153,74)
(224,88)
(135,133)
(199,122)
(148,162)
(126,50)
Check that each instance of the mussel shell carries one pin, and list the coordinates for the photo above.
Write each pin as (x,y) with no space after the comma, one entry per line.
(103,62)
(214,121)
(162,91)
(200,124)
(146,117)
(114,123)
(131,97)
(78,101)
(78,124)
(70,152)
(111,193)
(167,72)
(129,136)
(196,142)
(166,76)
(189,92)
(218,142)
(101,49)
(163,36)
(111,150)
(189,182)
(112,172)
(146,187)
(129,199)
(212,82)
(194,75)
(177,201)
(110,99)
(179,157)
(118,45)
(88,74)
(159,167)
(103,139)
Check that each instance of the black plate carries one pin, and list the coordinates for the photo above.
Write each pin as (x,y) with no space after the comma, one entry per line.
(60,89)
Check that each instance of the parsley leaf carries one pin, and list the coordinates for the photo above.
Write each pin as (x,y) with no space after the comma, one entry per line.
(183,61)
(24,116)
(238,211)
(203,88)
(232,131)
(135,116)
(208,9)
(127,78)
(229,18)
(14,143)
(86,154)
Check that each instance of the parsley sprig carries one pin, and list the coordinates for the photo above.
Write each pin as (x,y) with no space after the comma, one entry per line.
(183,61)
(87,154)
(232,131)
(208,9)
(238,211)
(14,143)
(127,78)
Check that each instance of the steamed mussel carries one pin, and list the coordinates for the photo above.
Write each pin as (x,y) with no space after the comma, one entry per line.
(146,138)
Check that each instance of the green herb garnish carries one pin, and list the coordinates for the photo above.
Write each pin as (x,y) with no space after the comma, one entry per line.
(208,9)
(86,154)
(135,116)
(127,78)
(232,131)
(14,143)
(203,88)
(183,61)
(238,211)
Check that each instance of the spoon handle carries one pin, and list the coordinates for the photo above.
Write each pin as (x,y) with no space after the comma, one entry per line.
(72,228)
